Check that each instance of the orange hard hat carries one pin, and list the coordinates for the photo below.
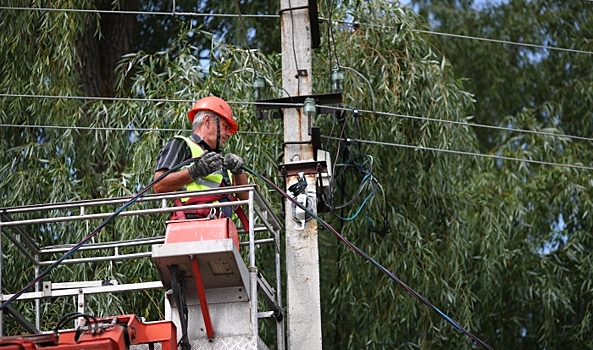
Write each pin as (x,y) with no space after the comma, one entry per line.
(216,105)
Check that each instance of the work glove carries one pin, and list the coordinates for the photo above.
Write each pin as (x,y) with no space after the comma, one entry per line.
(208,164)
(233,162)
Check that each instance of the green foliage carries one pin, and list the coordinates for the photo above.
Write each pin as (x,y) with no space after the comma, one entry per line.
(498,245)
(544,91)
(156,31)
(427,240)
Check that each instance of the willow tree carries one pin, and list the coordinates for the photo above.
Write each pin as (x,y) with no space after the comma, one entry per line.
(72,145)
(419,223)
(539,81)
(454,227)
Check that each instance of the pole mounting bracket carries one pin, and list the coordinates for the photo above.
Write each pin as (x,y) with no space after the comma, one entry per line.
(305,167)
(272,109)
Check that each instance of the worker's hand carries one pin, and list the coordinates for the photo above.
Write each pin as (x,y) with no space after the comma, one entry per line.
(233,162)
(208,164)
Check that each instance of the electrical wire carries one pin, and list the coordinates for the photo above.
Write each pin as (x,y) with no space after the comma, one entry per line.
(331,40)
(289,105)
(354,248)
(197,14)
(357,211)
(128,99)
(348,139)
(270,183)
(506,42)
(367,172)
(334,163)
(33,126)
(98,98)
(459,36)
(369,259)
(246,38)
(366,80)
(73,315)
(120,129)
(296,62)
(92,234)
(368,177)
(339,139)
(126,12)
(454,122)
(422,148)
(418,148)
(361,187)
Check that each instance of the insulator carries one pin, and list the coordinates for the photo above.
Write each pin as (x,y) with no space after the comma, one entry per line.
(258,84)
(309,107)
(337,79)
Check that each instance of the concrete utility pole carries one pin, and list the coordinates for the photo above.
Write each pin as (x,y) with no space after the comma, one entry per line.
(302,252)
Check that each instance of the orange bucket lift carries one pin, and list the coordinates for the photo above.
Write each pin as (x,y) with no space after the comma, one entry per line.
(116,333)
(202,270)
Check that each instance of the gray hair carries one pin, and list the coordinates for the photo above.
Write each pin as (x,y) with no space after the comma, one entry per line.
(199,119)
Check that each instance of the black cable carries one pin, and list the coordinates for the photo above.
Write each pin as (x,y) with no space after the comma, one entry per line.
(72,315)
(340,139)
(299,187)
(92,327)
(356,195)
(296,62)
(178,287)
(368,176)
(331,39)
(348,159)
(371,260)
(284,194)
(250,53)
(375,112)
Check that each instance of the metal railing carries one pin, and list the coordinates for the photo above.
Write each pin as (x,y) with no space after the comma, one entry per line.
(14,222)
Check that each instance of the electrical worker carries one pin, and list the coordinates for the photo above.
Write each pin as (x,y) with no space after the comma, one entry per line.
(212,125)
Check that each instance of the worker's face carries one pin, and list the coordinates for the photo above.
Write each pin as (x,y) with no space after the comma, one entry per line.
(210,136)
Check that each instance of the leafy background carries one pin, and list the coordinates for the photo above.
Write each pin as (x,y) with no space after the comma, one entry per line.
(500,245)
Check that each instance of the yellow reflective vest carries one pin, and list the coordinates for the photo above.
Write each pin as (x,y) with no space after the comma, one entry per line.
(210,181)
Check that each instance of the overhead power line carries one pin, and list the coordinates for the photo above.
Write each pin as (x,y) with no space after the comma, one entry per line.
(203,14)
(371,260)
(464,153)
(122,12)
(419,148)
(386,114)
(459,36)
(97,98)
(485,126)
(31,126)
(137,99)
(61,127)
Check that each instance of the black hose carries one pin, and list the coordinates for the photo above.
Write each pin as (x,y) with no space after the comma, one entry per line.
(371,260)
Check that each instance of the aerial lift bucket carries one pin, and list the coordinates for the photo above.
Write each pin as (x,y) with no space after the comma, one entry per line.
(203,272)
(201,230)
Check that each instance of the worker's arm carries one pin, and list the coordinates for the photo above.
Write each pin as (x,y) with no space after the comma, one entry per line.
(241,179)
(208,163)
(234,164)
(171,182)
